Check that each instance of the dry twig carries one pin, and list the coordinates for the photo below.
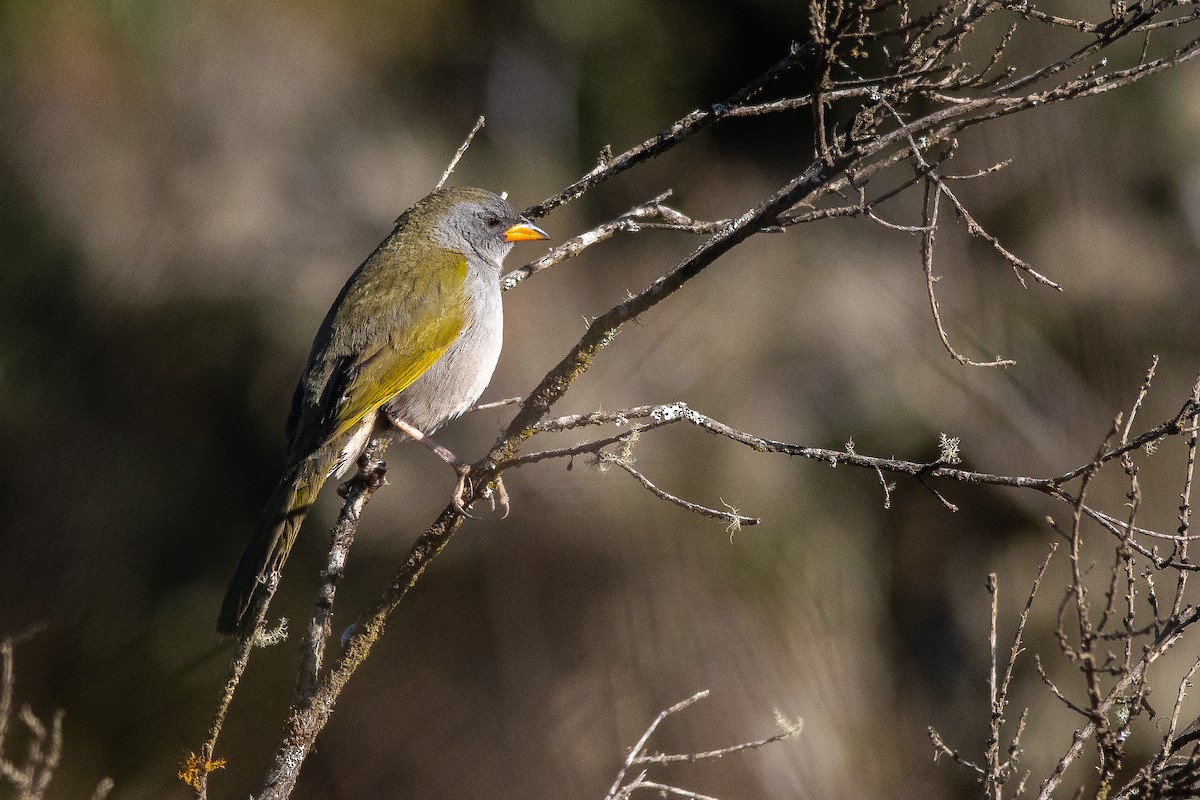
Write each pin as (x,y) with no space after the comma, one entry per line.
(622,788)
(30,778)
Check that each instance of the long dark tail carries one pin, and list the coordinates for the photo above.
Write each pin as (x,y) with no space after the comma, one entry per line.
(273,539)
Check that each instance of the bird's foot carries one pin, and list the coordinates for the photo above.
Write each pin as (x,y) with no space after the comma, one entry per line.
(462,487)
(371,473)
(497,493)
(500,497)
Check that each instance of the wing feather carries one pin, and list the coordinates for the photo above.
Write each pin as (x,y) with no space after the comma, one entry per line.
(390,370)
(388,327)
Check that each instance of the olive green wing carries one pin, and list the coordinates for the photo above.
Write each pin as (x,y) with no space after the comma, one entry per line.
(415,332)
(388,371)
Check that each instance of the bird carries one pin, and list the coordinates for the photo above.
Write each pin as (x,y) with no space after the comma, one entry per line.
(409,344)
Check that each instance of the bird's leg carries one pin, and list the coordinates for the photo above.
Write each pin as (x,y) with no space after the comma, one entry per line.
(500,497)
(508,401)
(460,467)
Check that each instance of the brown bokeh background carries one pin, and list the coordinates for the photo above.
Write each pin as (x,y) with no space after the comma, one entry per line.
(186,186)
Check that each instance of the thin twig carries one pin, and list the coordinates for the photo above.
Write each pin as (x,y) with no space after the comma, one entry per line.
(932,200)
(458,154)
(992,748)
(44,742)
(734,519)
(941,748)
(789,732)
(627,222)
(1185,506)
(196,768)
(670,137)
(640,745)
(1168,745)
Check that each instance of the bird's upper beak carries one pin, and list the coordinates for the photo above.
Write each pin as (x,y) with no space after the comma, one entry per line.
(525,231)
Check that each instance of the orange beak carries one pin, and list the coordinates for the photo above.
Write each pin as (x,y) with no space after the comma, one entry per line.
(525,232)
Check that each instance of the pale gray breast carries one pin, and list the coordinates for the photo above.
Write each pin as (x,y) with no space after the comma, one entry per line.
(458,378)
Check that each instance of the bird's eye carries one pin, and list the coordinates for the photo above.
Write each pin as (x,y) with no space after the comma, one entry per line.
(492,223)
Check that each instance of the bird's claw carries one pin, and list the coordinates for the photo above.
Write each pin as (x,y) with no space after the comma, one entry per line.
(463,486)
(498,495)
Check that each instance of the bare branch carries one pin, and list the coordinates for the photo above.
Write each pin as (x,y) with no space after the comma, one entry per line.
(620,789)
(640,746)
(44,742)
(357,492)
(933,196)
(941,748)
(735,520)
(627,222)
(458,154)
(695,121)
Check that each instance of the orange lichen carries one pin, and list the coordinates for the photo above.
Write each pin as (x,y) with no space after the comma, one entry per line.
(194,767)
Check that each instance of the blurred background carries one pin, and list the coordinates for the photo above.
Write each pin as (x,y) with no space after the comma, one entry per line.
(185,187)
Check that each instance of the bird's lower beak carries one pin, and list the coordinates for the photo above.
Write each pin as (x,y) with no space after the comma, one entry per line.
(525,232)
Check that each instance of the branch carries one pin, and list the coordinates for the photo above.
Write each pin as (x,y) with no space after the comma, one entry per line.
(788,729)
(932,198)
(357,492)
(627,222)
(43,746)
(458,154)
(735,520)
(665,140)
(1118,693)
(657,416)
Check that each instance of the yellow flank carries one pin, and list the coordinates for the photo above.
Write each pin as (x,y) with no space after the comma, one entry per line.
(407,355)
